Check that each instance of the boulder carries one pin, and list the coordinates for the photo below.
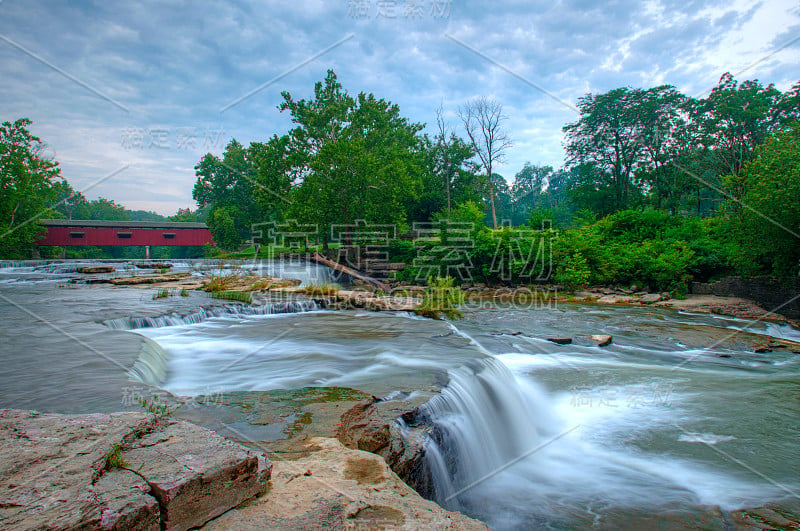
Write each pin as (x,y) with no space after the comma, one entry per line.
(375,426)
(602,340)
(650,298)
(166,474)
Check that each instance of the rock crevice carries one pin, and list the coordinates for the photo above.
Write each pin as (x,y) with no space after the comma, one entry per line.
(57,474)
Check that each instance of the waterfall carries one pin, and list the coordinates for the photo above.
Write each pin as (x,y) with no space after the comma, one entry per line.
(498,450)
(201,314)
(483,420)
(151,365)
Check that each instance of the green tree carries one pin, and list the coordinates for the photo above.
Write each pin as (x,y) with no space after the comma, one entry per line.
(107,209)
(357,158)
(229,183)
(528,190)
(450,176)
(69,202)
(185,215)
(222,224)
(769,228)
(607,137)
(26,193)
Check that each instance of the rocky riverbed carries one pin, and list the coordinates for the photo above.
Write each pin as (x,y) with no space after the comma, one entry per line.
(643,392)
(127,471)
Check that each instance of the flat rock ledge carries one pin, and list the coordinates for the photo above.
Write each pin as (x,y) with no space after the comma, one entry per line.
(336,488)
(55,472)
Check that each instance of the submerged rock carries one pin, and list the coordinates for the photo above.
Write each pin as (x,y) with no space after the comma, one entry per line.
(92,270)
(560,340)
(119,471)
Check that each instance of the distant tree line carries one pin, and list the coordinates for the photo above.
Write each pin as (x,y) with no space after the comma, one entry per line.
(725,164)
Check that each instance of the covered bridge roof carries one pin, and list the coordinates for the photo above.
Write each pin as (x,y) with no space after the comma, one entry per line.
(87,223)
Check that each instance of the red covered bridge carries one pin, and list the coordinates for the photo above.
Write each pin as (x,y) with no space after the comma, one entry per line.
(79,232)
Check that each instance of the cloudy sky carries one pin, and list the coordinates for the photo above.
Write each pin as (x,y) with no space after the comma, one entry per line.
(129,97)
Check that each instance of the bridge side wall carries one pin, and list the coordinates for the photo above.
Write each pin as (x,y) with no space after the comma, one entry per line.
(102,236)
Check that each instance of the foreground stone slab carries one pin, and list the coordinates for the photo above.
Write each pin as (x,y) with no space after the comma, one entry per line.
(55,473)
(339,488)
(195,474)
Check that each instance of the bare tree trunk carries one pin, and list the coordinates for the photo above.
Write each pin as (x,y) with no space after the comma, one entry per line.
(482,119)
(491,202)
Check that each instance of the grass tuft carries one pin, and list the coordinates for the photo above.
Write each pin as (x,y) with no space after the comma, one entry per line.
(114,458)
(160,409)
(320,289)
(239,296)
(162,293)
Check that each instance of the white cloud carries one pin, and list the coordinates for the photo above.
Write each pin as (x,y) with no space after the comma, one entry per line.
(175,66)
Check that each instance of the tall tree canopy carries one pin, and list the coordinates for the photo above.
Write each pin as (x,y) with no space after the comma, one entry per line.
(769,222)
(26,193)
(359,159)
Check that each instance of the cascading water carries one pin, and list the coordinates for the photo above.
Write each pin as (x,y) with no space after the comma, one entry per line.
(201,314)
(483,420)
(498,450)
(151,366)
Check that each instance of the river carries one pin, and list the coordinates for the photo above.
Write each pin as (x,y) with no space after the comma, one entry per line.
(676,420)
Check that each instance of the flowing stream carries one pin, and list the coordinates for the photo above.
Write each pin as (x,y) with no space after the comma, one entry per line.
(674,421)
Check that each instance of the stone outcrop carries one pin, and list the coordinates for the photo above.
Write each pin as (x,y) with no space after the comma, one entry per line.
(650,298)
(153,265)
(778,295)
(732,306)
(119,471)
(334,487)
(341,299)
(248,283)
(346,299)
(387,428)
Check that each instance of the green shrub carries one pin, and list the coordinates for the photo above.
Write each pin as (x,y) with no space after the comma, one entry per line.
(573,272)
(441,298)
